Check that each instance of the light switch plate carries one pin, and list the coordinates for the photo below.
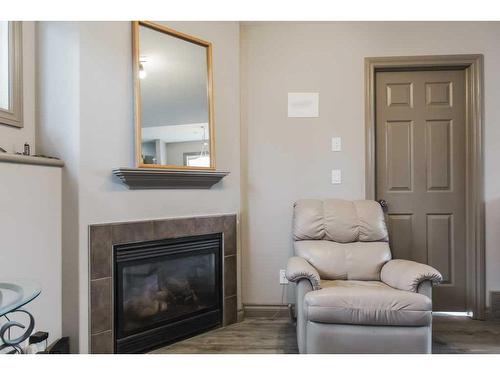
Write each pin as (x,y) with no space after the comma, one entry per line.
(336,176)
(336,144)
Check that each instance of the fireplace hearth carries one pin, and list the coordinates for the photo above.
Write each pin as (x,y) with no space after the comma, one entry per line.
(166,290)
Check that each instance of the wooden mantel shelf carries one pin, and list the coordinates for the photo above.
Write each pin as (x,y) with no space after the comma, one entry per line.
(153,178)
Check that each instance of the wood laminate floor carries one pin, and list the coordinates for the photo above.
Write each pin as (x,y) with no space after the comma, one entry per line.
(277,336)
(251,336)
(463,335)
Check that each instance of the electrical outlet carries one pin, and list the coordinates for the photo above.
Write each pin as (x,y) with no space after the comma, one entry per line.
(336,144)
(336,176)
(283,279)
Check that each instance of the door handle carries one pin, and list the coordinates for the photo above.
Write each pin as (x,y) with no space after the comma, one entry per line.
(384,205)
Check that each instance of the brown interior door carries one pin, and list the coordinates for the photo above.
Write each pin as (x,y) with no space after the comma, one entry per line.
(420,172)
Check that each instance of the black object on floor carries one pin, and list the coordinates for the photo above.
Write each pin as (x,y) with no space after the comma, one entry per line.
(60,346)
(38,336)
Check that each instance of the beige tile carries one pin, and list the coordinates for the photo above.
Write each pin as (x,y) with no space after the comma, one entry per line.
(100,243)
(132,232)
(229,225)
(209,224)
(173,228)
(230,310)
(230,279)
(102,343)
(101,311)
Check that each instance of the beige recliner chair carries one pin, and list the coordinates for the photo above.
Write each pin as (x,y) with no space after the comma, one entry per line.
(351,297)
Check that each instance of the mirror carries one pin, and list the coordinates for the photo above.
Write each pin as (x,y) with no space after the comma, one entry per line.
(173,97)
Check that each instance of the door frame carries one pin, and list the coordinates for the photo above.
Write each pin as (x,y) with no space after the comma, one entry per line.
(474,175)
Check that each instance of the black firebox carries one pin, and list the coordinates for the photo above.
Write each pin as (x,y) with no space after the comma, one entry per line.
(166,290)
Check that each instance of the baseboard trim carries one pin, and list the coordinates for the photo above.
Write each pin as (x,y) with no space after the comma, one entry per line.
(266,311)
(493,310)
(490,315)
(241,315)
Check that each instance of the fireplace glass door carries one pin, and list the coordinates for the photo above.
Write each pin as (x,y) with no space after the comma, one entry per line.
(164,285)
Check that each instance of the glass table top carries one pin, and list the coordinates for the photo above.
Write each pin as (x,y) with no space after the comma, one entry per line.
(17,293)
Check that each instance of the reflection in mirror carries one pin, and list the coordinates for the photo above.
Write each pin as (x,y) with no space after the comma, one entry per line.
(4,65)
(175,114)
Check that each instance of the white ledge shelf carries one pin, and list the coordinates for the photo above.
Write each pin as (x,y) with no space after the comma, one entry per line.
(33,160)
(152,178)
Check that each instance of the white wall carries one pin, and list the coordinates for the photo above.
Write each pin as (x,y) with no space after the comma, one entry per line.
(58,135)
(176,150)
(287,159)
(30,209)
(12,139)
(30,238)
(104,130)
(86,117)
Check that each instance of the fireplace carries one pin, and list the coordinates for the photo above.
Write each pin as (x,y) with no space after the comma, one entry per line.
(108,239)
(166,290)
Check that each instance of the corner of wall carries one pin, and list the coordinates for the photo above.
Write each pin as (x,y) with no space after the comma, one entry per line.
(58,80)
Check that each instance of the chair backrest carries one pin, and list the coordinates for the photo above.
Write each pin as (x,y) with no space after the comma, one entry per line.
(342,239)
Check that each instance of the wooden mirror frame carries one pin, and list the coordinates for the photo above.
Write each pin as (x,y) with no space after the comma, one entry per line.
(137,93)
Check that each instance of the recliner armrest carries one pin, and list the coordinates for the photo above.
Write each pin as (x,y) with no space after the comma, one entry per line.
(407,275)
(298,268)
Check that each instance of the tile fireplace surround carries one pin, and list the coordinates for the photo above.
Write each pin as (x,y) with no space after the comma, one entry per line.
(103,237)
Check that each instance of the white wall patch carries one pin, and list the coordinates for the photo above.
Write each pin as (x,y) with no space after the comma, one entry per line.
(303,104)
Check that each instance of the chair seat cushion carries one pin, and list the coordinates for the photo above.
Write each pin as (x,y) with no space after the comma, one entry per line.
(366,303)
